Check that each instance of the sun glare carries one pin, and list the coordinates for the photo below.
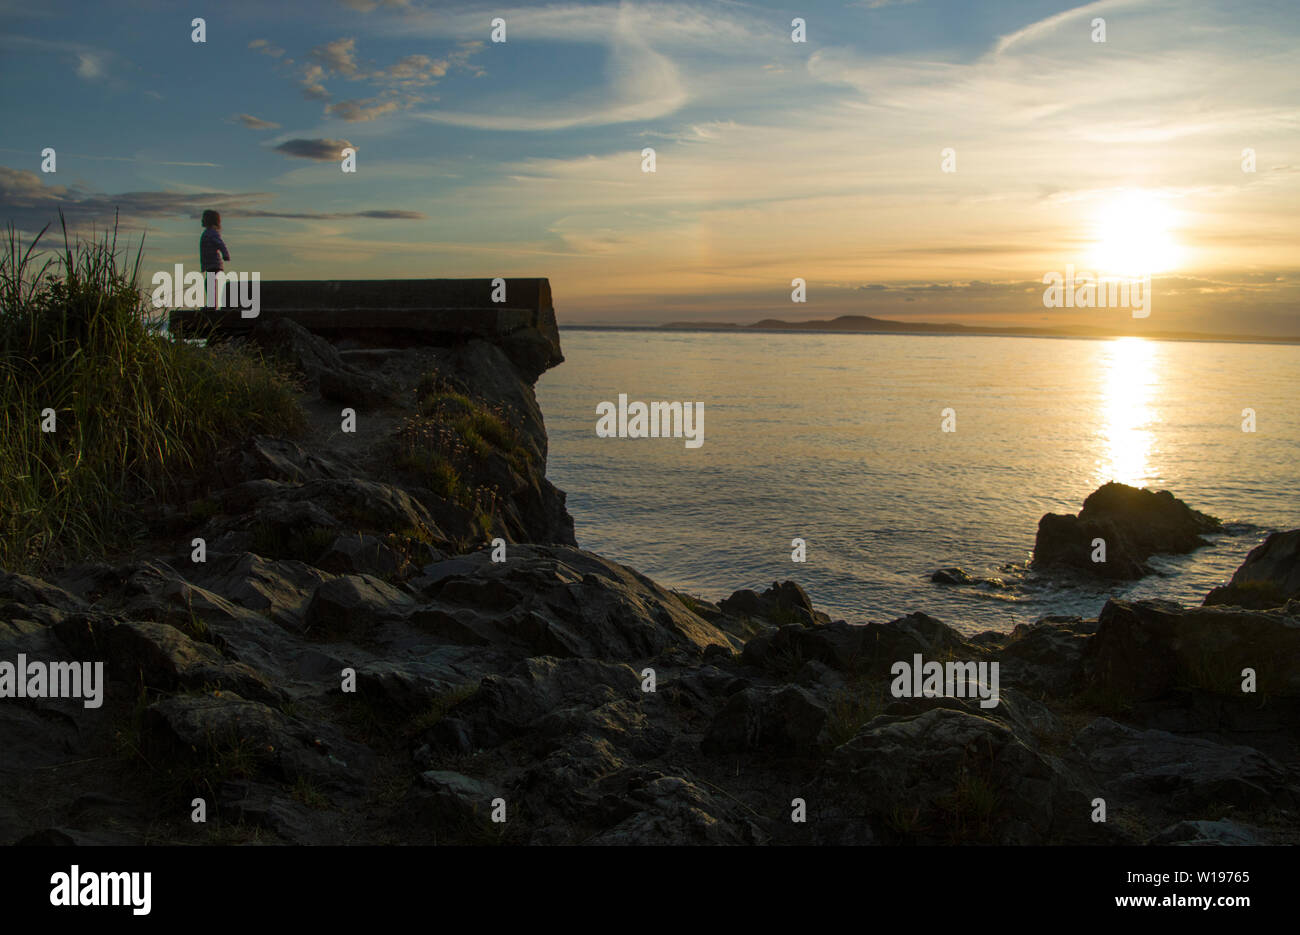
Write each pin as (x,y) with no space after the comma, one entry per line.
(1133,235)
(1127,412)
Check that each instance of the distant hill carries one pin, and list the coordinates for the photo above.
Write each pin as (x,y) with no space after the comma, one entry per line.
(857,323)
(865,324)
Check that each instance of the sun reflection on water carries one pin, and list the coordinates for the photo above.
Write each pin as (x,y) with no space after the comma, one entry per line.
(1129,386)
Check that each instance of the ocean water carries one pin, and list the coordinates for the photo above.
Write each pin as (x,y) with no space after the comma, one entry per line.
(837,439)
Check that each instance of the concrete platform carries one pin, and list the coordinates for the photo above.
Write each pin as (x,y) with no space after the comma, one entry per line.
(378,311)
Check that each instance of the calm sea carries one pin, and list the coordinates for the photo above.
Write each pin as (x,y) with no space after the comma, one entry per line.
(836,439)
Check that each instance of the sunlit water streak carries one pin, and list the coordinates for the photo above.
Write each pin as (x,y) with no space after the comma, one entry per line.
(836,439)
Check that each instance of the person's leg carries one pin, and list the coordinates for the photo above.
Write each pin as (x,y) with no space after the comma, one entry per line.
(210,302)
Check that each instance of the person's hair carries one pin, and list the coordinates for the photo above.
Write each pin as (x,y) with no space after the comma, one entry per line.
(211,219)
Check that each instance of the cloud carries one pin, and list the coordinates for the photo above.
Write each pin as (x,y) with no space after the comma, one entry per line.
(643,83)
(365,6)
(338,59)
(30,204)
(648,48)
(86,62)
(1043,27)
(386,214)
(256,123)
(359,111)
(266,48)
(707,27)
(310,83)
(416,68)
(138,159)
(337,56)
(320,150)
(421,70)
(89,66)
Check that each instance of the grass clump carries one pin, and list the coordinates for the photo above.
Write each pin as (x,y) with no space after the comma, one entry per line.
(440,706)
(99,411)
(306,792)
(694,604)
(970,807)
(462,451)
(435,471)
(300,544)
(851,709)
(448,403)
(487,426)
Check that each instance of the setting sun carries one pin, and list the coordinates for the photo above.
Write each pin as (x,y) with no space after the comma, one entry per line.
(1133,235)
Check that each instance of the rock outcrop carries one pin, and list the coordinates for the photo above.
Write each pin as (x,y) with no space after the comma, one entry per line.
(1133,524)
(1145,649)
(1269,577)
(354,660)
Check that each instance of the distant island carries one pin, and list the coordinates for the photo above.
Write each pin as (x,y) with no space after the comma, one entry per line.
(865,324)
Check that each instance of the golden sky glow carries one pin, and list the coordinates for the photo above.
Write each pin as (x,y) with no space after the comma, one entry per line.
(1172,148)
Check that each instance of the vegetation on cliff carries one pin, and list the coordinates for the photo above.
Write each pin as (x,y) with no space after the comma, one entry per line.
(99,412)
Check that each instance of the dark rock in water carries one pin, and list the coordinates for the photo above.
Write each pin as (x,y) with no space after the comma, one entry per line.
(951,576)
(1145,649)
(1134,525)
(1269,577)
(783,602)
(962,577)
(744,602)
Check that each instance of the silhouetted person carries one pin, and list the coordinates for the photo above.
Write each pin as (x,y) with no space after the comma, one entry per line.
(212,250)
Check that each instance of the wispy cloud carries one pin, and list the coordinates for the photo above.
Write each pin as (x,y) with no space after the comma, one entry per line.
(256,123)
(644,44)
(89,65)
(139,159)
(643,85)
(266,48)
(31,204)
(87,62)
(365,6)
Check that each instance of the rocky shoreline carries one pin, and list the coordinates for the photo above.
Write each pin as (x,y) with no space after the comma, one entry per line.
(389,635)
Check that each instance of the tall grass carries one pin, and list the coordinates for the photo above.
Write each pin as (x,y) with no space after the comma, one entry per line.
(136,412)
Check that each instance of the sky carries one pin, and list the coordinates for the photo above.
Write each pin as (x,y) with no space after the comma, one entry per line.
(823,160)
